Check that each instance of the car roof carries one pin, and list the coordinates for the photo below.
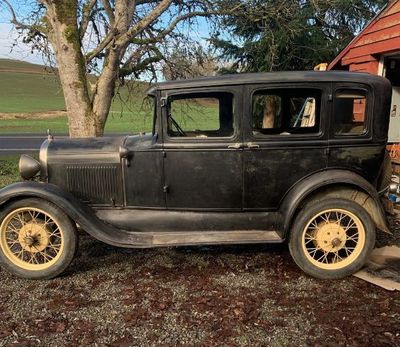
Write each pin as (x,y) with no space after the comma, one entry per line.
(270,77)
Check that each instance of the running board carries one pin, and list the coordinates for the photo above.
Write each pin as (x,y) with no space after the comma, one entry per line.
(182,238)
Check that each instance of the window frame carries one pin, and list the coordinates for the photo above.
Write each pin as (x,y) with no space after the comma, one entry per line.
(168,94)
(321,120)
(155,126)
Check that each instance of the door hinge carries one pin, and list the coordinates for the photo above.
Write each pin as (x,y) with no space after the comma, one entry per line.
(330,97)
(163,101)
(166,189)
(164,154)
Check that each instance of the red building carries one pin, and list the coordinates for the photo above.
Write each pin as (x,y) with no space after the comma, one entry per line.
(376,50)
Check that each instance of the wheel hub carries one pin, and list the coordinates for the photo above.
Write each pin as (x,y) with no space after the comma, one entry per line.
(34,237)
(330,237)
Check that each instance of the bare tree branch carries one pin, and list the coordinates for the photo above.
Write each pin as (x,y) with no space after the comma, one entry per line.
(87,10)
(109,11)
(172,26)
(138,66)
(18,24)
(108,39)
(145,22)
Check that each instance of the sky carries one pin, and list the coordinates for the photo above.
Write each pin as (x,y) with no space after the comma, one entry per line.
(21,51)
(8,35)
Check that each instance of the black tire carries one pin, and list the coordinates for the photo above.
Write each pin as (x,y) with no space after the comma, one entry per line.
(57,245)
(312,229)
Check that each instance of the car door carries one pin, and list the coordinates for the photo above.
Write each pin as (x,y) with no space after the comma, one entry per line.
(203,163)
(142,162)
(285,139)
(351,133)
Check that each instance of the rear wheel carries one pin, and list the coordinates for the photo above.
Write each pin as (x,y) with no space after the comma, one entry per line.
(37,239)
(332,238)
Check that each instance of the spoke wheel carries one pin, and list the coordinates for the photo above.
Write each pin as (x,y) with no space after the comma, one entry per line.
(37,239)
(333,239)
(31,239)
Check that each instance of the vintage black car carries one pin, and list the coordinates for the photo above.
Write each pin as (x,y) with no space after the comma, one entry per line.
(239,159)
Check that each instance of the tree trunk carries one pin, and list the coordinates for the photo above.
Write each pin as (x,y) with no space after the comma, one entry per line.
(64,36)
(104,91)
(105,85)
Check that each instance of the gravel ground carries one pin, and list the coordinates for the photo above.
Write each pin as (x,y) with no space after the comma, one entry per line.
(242,295)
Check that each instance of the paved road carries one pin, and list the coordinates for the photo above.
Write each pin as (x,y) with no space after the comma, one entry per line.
(18,144)
(25,143)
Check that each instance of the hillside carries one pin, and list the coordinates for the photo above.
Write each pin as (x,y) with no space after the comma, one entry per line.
(31,100)
(11,65)
(26,87)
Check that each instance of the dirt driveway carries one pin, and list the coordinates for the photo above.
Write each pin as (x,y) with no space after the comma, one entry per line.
(242,295)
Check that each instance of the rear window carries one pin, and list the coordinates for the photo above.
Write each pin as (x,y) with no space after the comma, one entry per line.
(286,111)
(350,111)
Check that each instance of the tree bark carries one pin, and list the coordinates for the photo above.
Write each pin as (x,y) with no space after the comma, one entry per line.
(64,36)
(105,85)
(104,91)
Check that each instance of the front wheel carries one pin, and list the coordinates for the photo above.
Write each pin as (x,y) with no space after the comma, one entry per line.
(332,238)
(37,239)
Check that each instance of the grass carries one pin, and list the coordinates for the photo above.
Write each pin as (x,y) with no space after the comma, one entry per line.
(117,122)
(28,92)
(19,64)
(8,171)
(28,88)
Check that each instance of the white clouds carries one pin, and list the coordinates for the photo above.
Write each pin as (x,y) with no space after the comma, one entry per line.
(21,51)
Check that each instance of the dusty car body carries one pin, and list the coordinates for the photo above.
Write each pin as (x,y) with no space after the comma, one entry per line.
(296,156)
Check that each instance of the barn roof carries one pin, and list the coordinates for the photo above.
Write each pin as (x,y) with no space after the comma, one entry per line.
(381,35)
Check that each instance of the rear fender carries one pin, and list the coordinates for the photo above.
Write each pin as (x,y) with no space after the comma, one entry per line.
(333,183)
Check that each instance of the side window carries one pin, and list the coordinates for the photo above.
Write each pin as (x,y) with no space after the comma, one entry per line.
(200,115)
(350,111)
(286,111)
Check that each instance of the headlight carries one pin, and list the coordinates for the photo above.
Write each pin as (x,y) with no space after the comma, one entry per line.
(28,167)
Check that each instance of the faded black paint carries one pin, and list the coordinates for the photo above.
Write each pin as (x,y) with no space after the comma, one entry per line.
(239,188)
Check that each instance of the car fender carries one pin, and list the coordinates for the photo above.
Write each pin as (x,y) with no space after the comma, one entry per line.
(79,212)
(303,190)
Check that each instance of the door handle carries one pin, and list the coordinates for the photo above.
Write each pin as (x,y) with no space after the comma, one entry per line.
(236,146)
(252,145)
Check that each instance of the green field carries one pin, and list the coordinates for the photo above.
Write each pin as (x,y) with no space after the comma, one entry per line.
(27,88)
(8,171)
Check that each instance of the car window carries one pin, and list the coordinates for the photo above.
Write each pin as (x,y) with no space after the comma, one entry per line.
(200,115)
(350,111)
(285,111)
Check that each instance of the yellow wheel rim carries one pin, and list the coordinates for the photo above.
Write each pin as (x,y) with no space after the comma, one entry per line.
(31,239)
(333,239)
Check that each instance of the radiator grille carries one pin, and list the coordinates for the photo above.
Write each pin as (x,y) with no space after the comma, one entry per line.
(97,184)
